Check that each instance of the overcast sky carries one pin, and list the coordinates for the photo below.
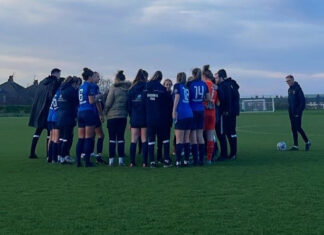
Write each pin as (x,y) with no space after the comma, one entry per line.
(258,42)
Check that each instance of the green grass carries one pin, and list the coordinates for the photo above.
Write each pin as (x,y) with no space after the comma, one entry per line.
(263,192)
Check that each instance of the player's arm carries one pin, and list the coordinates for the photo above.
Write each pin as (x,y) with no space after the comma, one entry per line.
(99,108)
(175,105)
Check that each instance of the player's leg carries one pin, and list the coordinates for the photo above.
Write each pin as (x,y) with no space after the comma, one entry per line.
(302,133)
(151,134)
(179,144)
(222,139)
(164,135)
(122,122)
(135,133)
(88,143)
(233,138)
(35,139)
(144,145)
(293,124)
(101,136)
(112,132)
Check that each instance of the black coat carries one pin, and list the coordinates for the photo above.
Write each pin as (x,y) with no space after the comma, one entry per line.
(296,99)
(136,105)
(229,97)
(42,101)
(158,105)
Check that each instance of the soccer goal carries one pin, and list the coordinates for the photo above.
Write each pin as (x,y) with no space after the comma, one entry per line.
(258,105)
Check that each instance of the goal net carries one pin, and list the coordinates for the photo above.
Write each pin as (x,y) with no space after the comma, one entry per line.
(258,105)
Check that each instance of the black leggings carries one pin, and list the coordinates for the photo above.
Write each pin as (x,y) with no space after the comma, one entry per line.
(160,139)
(163,134)
(116,130)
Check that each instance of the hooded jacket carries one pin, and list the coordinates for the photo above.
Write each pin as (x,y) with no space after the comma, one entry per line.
(229,97)
(158,105)
(296,99)
(116,103)
(136,105)
(42,101)
(67,103)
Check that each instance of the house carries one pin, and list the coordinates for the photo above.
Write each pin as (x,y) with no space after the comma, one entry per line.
(12,93)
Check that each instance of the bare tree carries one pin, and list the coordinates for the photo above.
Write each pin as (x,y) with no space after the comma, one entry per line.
(104,85)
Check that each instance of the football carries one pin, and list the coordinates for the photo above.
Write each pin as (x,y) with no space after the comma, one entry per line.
(282,146)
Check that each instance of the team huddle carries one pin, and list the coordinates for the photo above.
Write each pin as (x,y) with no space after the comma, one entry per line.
(202,108)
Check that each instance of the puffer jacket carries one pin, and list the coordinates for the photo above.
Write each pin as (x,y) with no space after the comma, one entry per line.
(116,103)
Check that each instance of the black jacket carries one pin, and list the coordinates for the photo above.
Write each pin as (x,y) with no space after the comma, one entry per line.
(229,97)
(158,105)
(296,99)
(67,104)
(42,101)
(136,105)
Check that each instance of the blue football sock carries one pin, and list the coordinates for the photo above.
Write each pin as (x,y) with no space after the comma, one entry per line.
(194,150)
(187,151)
(201,153)
(100,145)
(179,148)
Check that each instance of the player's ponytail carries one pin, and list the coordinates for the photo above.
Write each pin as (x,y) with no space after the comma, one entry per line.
(196,73)
(181,78)
(141,76)
(207,73)
(157,76)
(87,73)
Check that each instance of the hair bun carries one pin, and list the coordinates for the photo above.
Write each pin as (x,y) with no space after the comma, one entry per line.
(120,72)
(206,67)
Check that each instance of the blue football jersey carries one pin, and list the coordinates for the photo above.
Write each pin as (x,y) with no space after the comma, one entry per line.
(86,89)
(183,108)
(197,92)
(52,114)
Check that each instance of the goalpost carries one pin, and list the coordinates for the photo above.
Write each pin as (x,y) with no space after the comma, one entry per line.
(257,105)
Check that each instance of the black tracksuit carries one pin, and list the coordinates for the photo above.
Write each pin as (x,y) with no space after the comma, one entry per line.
(158,106)
(229,108)
(296,100)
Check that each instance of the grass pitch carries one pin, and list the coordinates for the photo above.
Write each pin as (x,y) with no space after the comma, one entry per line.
(263,192)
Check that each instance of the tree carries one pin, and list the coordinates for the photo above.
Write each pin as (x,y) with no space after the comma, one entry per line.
(104,85)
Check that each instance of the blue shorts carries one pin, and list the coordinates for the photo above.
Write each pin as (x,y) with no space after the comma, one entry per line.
(86,118)
(52,126)
(198,120)
(183,124)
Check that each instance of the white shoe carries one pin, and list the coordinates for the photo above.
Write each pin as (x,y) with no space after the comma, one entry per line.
(121,161)
(93,155)
(82,155)
(60,159)
(69,159)
(111,161)
(178,163)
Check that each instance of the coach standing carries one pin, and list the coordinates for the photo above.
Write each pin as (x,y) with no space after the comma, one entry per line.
(229,109)
(42,101)
(296,100)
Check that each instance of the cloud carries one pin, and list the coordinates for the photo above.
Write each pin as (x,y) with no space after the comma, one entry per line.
(257,41)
